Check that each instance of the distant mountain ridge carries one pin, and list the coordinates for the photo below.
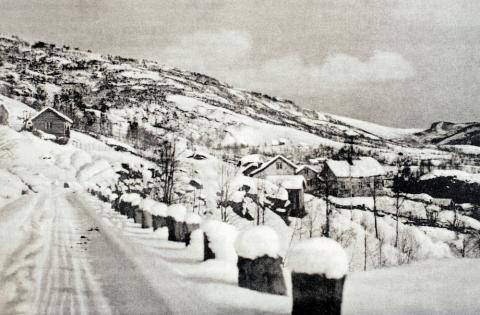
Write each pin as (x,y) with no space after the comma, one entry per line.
(126,89)
(449,133)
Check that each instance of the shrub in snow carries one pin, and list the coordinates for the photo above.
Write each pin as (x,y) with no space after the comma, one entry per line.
(219,241)
(319,266)
(259,263)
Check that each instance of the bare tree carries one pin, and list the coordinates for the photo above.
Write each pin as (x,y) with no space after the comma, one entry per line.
(168,163)
(225,189)
(431,213)
(374,185)
(326,189)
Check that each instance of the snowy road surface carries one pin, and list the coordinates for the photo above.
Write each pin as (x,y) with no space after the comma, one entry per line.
(57,258)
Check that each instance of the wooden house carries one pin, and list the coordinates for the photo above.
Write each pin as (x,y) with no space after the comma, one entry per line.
(295,186)
(281,172)
(279,165)
(52,122)
(311,177)
(355,178)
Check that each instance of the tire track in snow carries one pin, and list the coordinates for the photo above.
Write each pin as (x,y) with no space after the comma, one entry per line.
(68,286)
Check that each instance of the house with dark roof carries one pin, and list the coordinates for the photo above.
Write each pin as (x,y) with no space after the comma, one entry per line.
(51,121)
(355,178)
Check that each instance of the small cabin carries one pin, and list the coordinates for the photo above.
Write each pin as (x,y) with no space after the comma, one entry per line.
(52,122)
(355,178)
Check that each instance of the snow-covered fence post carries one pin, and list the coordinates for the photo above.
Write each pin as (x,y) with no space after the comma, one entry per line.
(123,203)
(319,267)
(177,229)
(192,223)
(159,215)
(146,207)
(134,203)
(219,241)
(259,263)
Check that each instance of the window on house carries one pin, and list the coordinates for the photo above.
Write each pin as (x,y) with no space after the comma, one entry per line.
(48,125)
(279,165)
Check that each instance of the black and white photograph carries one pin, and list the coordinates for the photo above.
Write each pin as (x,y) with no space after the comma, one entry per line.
(309,157)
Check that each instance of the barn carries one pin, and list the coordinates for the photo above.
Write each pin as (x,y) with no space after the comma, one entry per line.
(52,122)
(355,178)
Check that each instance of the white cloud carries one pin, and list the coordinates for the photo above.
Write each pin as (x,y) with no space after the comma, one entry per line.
(208,51)
(291,75)
(229,56)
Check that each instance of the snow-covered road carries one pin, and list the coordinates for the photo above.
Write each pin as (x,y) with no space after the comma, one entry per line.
(60,258)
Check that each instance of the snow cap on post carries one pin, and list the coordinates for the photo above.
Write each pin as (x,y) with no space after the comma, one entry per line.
(322,256)
(159,209)
(258,242)
(177,212)
(193,218)
(221,238)
(135,199)
(147,204)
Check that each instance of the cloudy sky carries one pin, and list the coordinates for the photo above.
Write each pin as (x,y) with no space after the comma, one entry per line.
(404,63)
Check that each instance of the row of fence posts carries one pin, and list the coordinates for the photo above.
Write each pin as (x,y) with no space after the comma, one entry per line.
(318,265)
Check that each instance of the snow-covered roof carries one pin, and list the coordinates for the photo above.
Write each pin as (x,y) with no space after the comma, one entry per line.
(302,167)
(363,167)
(287,181)
(64,117)
(252,158)
(459,175)
(264,166)
(445,202)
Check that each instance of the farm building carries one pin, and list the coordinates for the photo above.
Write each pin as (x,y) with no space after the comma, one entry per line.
(311,177)
(52,122)
(283,173)
(355,179)
(295,186)
(279,165)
